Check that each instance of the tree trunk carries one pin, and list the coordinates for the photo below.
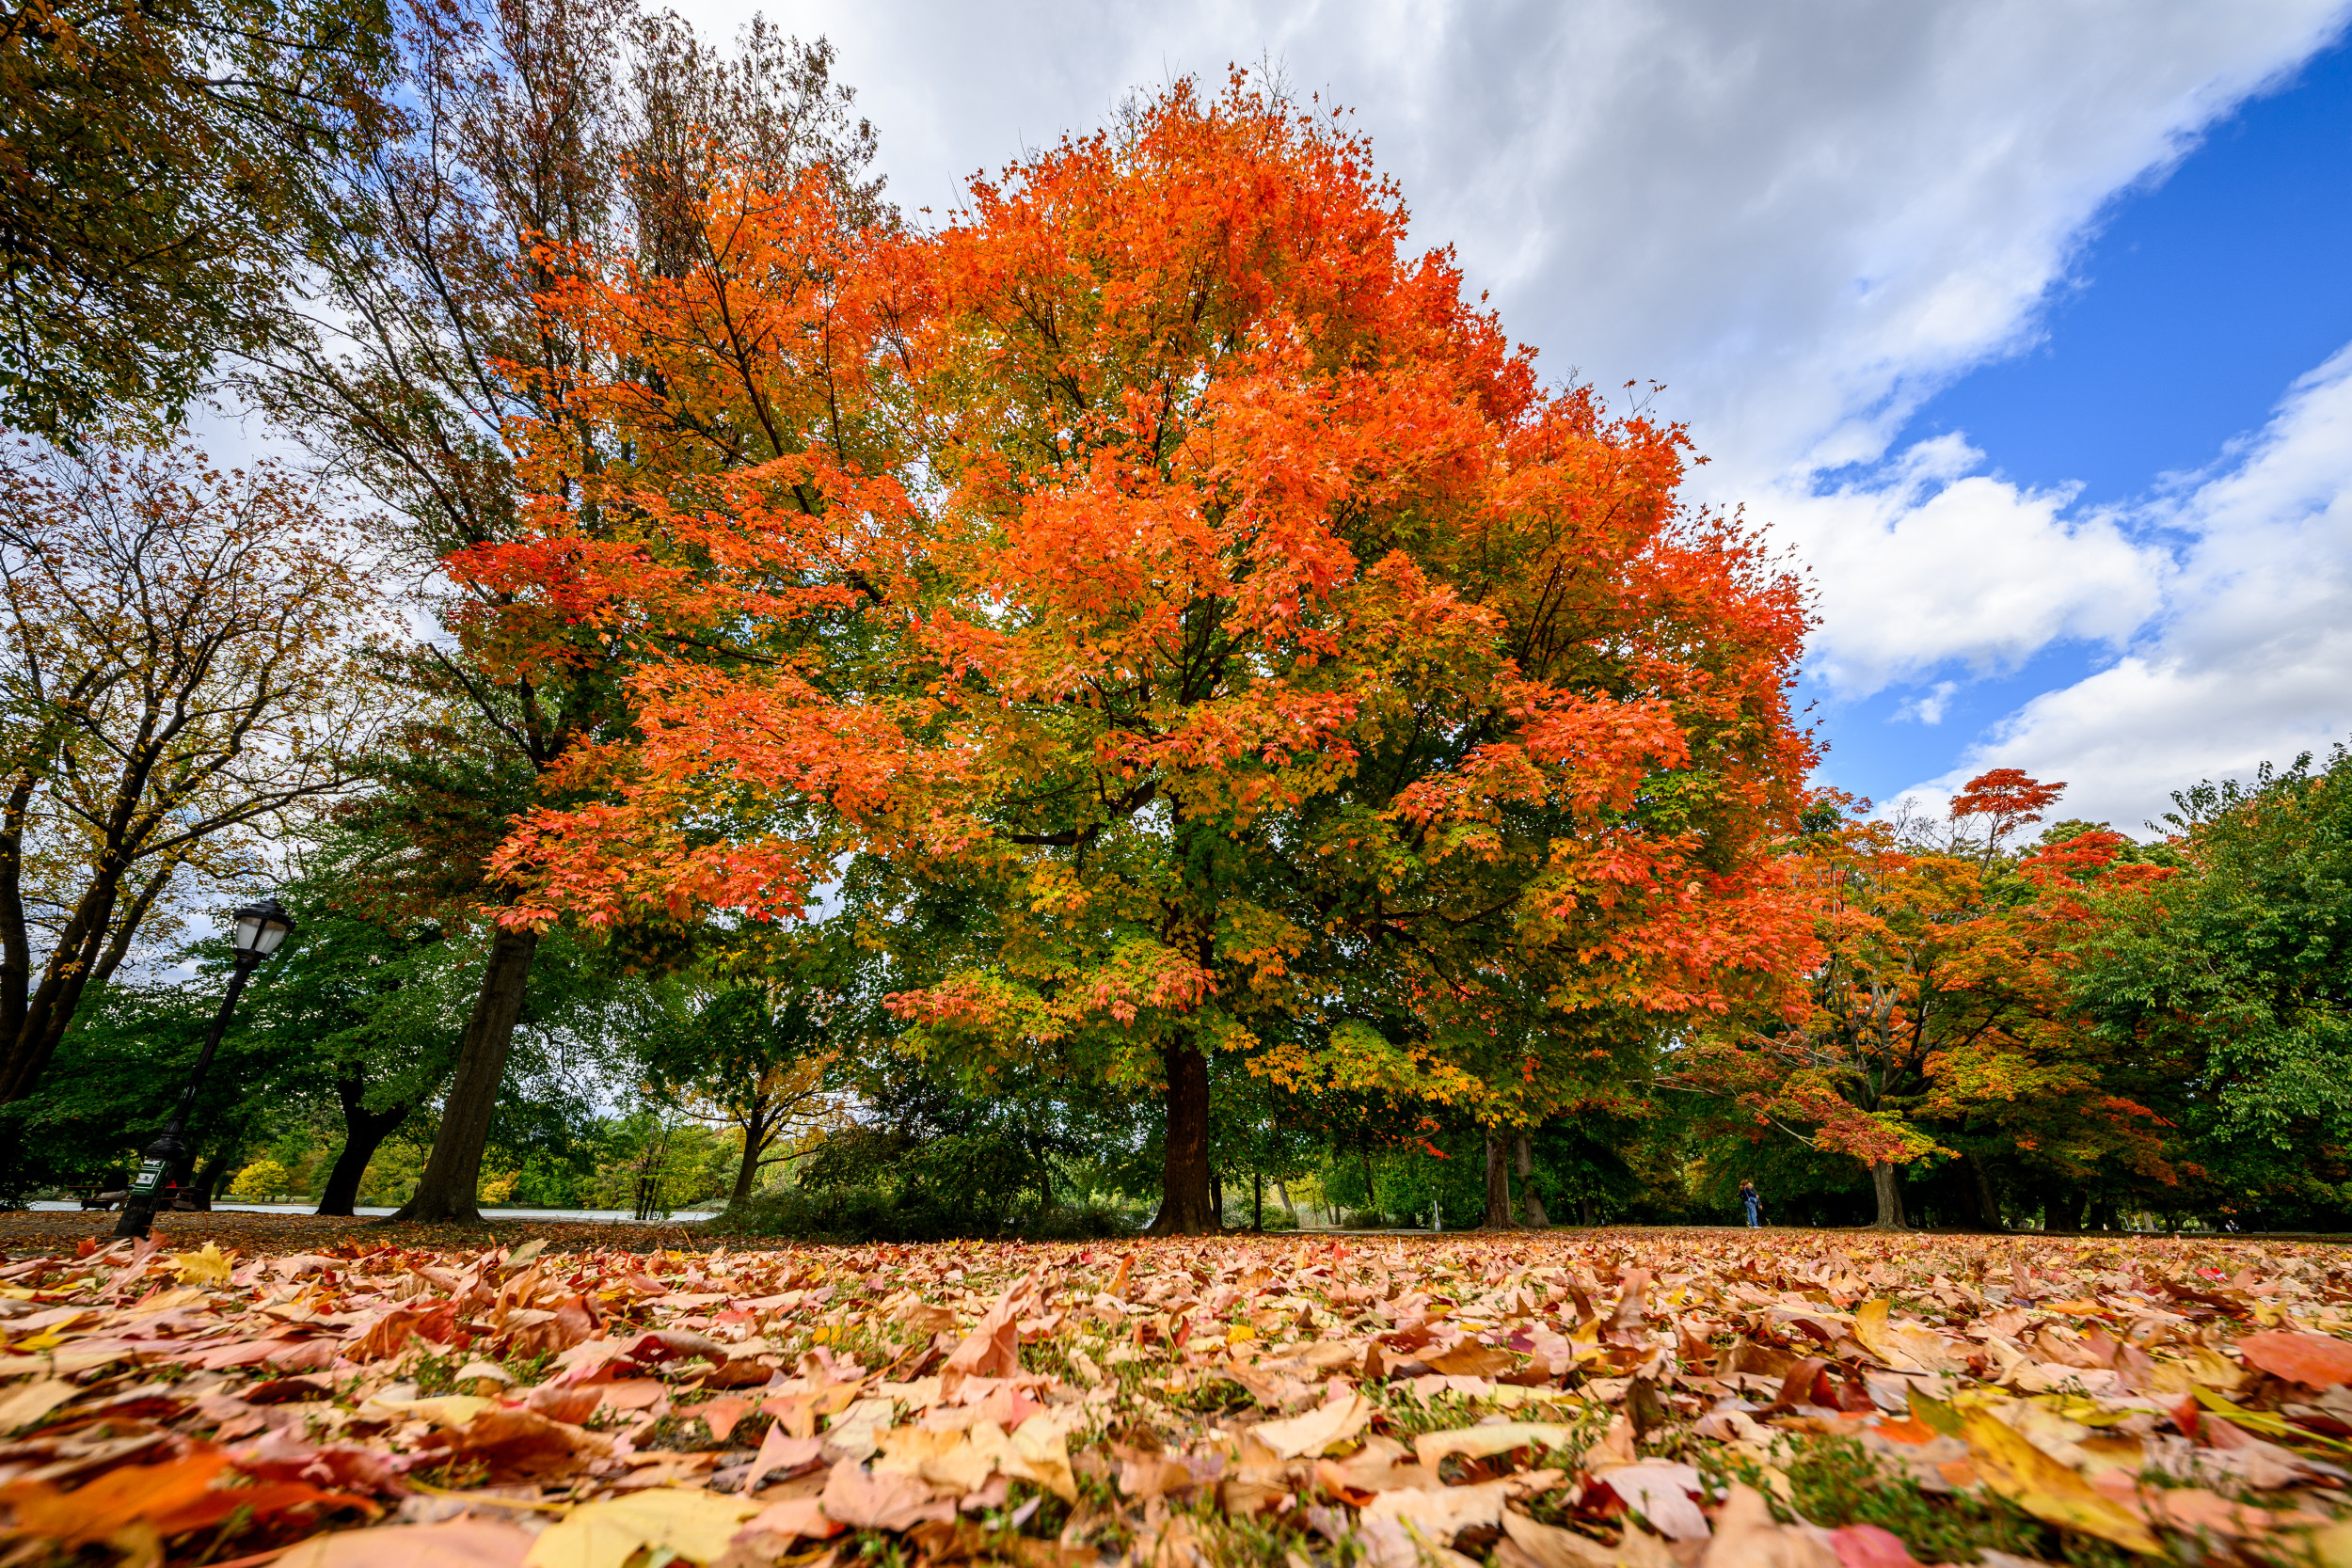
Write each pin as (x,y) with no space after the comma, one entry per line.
(1185,1203)
(1981,1182)
(1587,1212)
(1257,1203)
(364,1132)
(2063,1209)
(1884,1179)
(1498,1214)
(1216,1195)
(746,1174)
(453,1172)
(1282,1195)
(1531,1207)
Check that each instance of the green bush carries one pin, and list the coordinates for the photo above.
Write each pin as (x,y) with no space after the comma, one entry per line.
(845,1213)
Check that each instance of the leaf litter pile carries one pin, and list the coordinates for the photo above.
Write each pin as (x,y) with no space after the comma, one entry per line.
(1646,1399)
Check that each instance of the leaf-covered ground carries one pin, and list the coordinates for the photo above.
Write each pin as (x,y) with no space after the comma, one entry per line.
(345,1395)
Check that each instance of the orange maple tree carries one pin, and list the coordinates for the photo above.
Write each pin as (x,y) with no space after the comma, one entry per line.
(1937,1011)
(1190,620)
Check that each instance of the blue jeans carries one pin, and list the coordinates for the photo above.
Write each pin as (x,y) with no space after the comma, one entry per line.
(1753,1207)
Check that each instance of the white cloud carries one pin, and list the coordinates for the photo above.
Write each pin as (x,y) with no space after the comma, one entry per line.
(1934,563)
(1800,216)
(2251,661)
(1929,707)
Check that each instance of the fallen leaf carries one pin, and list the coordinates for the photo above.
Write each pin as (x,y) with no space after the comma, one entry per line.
(1437,1516)
(605,1535)
(22,1406)
(2315,1360)
(454,1543)
(1550,1547)
(1746,1536)
(2046,1488)
(207,1264)
(1660,1493)
(883,1500)
(1480,1442)
(1305,1436)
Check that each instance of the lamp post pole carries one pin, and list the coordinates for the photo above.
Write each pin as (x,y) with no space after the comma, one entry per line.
(259,928)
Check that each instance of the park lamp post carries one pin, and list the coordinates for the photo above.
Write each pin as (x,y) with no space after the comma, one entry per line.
(257,929)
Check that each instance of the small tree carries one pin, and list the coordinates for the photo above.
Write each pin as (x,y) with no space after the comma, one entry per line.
(747,1058)
(175,669)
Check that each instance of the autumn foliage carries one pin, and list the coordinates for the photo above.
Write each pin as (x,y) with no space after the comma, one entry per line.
(1164,564)
(1938,1014)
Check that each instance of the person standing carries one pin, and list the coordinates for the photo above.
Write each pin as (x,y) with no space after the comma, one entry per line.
(1753,1202)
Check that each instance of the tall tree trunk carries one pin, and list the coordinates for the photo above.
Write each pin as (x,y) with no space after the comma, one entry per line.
(1885,1181)
(2064,1207)
(756,1134)
(1588,1212)
(1257,1203)
(1531,1206)
(1981,1182)
(1282,1195)
(1498,1214)
(453,1172)
(1187,1208)
(364,1132)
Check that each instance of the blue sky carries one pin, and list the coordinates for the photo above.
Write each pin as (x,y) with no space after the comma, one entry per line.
(2198,298)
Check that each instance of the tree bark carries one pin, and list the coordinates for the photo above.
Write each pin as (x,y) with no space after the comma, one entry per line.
(1187,1208)
(1282,1195)
(1531,1206)
(1587,1212)
(755,1136)
(453,1172)
(1498,1214)
(1884,1179)
(1257,1203)
(1981,1182)
(364,1132)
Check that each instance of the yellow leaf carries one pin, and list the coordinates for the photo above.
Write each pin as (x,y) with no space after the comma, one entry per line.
(696,1525)
(1306,1436)
(455,1411)
(1038,1453)
(1482,1442)
(23,1406)
(1239,1332)
(1901,1346)
(2047,1489)
(209,1265)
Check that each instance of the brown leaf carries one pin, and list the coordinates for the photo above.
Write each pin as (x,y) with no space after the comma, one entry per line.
(1471,1359)
(883,1500)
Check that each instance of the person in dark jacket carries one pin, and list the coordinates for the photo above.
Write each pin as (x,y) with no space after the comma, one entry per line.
(1754,1201)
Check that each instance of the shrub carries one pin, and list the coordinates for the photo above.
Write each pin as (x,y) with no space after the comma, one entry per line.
(262,1179)
(846,1213)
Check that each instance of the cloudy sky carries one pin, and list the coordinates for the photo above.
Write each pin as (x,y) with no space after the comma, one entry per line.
(2028,324)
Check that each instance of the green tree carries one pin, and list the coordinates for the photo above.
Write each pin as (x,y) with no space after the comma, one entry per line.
(542,142)
(2238,970)
(164,167)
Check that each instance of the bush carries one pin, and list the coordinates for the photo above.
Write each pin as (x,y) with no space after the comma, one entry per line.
(845,1213)
(262,1179)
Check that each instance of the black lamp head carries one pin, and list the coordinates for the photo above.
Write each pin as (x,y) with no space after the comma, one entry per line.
(259,928)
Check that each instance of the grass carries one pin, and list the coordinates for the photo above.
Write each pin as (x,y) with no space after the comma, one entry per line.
(1836,1482)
